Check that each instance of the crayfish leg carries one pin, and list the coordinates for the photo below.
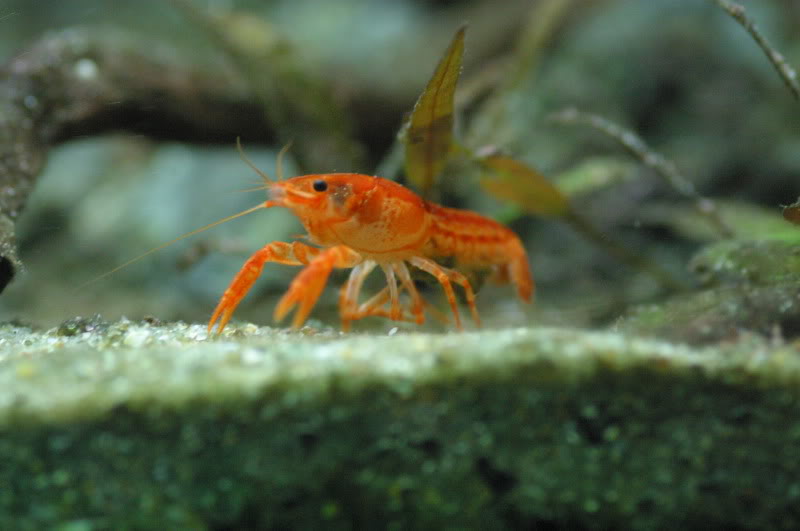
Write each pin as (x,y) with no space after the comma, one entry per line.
(296,253)
(394,295)
(461,280)
(374,307)
(446,277)
(307,286)
(431,267)
(348,296)
(417,304)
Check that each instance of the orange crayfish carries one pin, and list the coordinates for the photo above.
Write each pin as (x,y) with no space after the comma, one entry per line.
(360,222)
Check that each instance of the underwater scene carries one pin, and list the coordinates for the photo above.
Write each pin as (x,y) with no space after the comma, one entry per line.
(419,264)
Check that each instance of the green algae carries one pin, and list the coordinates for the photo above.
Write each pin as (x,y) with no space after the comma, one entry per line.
(747,286)
(752,262)
(133,425)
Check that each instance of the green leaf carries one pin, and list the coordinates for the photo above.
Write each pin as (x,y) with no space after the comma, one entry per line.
(518,183)
(429,132)
(595,174)
(747,221)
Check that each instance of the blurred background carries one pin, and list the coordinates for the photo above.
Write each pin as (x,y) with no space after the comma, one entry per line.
(682,74)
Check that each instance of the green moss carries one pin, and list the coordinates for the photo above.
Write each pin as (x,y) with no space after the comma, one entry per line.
(753,262)
(747,286)
(151,427)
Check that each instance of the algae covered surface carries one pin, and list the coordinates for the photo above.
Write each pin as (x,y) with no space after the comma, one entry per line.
(136,425)
(743,286)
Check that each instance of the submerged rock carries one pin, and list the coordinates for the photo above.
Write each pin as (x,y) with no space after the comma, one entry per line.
(135,425)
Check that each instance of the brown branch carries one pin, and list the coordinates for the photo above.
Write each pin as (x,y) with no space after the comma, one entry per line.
(652,159)
(787,73)
(76,83)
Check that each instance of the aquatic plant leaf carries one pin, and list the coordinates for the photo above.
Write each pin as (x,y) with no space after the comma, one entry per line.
(428,135)
(513,181)
(517,183)
(595,174)
(747,221)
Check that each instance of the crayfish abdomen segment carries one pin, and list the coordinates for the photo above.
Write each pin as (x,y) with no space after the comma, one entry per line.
(474,241)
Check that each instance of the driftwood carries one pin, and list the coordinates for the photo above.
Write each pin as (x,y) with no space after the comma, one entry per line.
(78,82)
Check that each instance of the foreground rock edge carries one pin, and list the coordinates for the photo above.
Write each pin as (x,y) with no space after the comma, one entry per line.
(130,425)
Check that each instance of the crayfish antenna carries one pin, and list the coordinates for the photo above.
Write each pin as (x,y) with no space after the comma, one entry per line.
(265,204)
(263,175)
(279,163)
(268,182)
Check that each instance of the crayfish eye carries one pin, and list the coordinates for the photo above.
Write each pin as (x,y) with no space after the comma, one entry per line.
(319,185)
